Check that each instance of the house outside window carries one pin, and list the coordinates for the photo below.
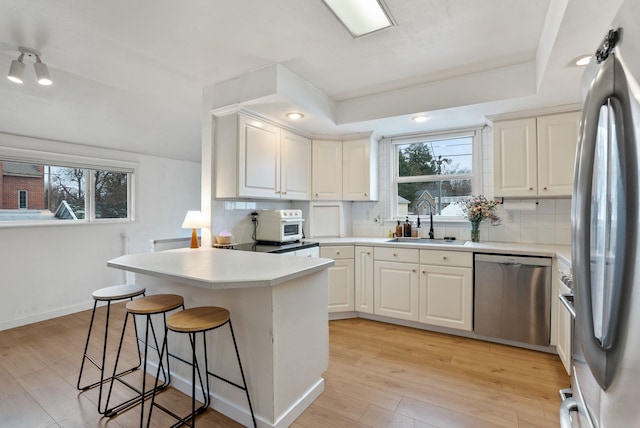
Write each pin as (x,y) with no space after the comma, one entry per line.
(433,173)
(54,193)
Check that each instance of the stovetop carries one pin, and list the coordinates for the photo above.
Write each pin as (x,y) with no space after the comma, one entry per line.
(275,247)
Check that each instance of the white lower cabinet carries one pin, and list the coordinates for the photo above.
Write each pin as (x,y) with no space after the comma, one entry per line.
(308,252)
(446,297)
(395,284)
(341,277)
(446,289)
(364,279)
(565,331)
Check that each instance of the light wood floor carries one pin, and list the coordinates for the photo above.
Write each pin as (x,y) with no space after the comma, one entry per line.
(379,375)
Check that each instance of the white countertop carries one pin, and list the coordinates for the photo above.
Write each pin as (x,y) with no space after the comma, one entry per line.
(546,250)
(216,268)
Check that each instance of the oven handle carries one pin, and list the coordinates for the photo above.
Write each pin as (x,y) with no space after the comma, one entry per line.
(291,220)
(567,301)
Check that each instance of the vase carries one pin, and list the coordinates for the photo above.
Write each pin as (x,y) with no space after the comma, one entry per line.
(475,231)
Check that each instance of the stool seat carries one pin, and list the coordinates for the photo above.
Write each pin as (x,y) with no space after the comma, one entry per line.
(155,304)
(199,319)
(118,292)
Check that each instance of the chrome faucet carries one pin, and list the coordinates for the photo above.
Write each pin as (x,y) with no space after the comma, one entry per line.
(430,215)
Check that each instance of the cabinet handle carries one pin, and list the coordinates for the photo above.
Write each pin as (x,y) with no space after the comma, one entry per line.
(545,188)
(337,252)
(413,270)
(316,195)
(530,188)
(424,272)
(284,193)
(444,257)
(395,255)
(368,253)
(365,194)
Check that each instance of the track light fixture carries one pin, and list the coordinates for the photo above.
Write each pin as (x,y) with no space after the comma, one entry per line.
(16,71)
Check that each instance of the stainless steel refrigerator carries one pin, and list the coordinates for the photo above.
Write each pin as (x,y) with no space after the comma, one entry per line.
(605,382)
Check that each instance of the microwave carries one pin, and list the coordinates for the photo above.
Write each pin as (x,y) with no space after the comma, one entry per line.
(279,226)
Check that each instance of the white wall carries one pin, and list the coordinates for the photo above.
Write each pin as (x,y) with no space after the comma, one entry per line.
(49,271)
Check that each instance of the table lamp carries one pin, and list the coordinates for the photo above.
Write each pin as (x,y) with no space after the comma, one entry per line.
(193,220)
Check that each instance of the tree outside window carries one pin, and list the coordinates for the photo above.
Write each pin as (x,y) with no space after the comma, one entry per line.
(432,175)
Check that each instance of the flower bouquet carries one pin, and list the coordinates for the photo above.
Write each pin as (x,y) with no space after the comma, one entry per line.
(477,208)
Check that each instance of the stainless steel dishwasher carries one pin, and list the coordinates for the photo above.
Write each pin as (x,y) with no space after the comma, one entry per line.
(513,298)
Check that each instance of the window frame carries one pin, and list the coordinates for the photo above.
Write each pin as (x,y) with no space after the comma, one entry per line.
(476,169)
(90,165)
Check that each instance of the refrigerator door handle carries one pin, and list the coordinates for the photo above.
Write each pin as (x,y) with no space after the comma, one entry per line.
(566,407)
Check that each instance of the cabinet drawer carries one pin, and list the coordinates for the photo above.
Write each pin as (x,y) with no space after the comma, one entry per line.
(396,254)
(446,258)
(337,252)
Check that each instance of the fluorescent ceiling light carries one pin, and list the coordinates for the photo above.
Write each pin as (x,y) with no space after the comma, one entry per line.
(361,17)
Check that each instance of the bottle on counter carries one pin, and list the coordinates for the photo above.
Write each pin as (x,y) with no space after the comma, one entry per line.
(399,230)
(414,231)
(407,228)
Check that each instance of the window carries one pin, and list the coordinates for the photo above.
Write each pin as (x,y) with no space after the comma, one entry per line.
(58,193)
(22,199)
(432,173)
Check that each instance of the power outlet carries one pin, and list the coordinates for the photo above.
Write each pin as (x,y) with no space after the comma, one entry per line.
(254,217)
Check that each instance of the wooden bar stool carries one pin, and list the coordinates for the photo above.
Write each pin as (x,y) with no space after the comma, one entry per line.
(158,304)
(193,321)
(107,294)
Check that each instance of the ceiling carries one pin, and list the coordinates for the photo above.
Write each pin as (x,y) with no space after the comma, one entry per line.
(130,75)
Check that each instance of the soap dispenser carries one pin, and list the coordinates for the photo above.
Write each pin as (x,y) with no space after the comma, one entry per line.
(398,230)
(407,228)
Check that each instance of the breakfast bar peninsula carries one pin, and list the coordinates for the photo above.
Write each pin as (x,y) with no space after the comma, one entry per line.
(278,306)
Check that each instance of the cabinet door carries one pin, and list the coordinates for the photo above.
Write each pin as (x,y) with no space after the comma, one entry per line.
(364,279)
(258,159)
(358,182)
(446,297)
(295,175)
(565,331)
(557,142)
(515,158)
(341,286)
(326,183)
(395,287)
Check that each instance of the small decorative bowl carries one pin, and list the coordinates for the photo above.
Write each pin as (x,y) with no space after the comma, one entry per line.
(224,239)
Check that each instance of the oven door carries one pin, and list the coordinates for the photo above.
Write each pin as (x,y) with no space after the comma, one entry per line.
(291,230)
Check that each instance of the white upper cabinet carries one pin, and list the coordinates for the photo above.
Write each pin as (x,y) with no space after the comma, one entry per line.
(535,156)
(257,159)
(295,167)
(557,142)
(326,183)
(359,177)
(345,170)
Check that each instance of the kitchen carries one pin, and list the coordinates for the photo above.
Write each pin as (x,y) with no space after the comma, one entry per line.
(160,215)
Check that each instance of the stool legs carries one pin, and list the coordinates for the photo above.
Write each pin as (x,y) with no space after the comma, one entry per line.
(195,367)
(141,395)
(101,365)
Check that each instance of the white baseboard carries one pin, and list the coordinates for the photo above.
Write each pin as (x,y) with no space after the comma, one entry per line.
(43,316)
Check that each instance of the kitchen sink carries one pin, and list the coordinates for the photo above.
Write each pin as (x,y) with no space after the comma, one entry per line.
(427,241)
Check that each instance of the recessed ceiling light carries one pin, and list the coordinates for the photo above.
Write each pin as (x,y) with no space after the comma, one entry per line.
(294,115)
(420,118)
(582,60)
(361,17)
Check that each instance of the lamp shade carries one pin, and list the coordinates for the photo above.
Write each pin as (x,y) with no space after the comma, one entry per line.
(193,220)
